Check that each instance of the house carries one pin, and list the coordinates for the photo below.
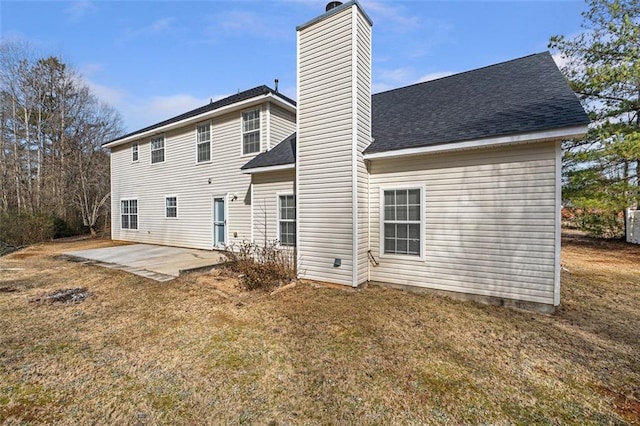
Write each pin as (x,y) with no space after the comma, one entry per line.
(451,185)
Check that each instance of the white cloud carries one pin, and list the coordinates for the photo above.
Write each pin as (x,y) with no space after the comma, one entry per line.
(387,79)
(382,87)
(109,95)
(395,15)
(396,75)
(158,26)
(78,9)
(160,108)
(240,22)
(434,76)
(139,113)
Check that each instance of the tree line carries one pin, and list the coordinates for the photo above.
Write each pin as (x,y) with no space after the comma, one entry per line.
(54,175)
(601,170)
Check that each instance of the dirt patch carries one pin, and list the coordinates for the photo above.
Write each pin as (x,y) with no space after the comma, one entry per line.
(628,406)
(7,289)
(68,295)
(23,255)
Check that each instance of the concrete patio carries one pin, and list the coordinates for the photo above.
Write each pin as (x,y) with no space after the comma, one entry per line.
(160,263)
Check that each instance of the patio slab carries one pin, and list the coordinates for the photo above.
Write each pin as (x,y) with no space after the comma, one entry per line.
(160,263)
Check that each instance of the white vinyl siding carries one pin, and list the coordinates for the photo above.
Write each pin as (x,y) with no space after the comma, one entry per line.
(266,189)
(251,132)
(327,132)
(363,111)
(193,186)
(489,221)
(129,214)
(282,124)
(203,142)
(171,207)
(287,220)
(157,149)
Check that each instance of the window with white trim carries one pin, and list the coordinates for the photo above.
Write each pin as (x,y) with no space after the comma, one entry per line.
(134,152)
(157,149)
(203,146)
(402,213)
(171,207)
(251,131)
(129,214)
(287,220)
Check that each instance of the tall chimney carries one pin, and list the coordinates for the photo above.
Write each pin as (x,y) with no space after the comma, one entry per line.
(333,129)
(332,4)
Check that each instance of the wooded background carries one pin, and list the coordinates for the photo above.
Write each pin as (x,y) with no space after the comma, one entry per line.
(54,175)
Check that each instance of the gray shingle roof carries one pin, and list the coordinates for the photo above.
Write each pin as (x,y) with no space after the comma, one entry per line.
(238,97)
(281,154)
(519,96)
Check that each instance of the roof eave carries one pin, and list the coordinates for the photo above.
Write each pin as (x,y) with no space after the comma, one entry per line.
(204,116)
(562,133)
(264,169)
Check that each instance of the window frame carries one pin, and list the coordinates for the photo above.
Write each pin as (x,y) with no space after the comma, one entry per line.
(421,222)
(167,207)
(209,142)
(258,131)
(279,219)
(135,152)
(164,148)
(128,214)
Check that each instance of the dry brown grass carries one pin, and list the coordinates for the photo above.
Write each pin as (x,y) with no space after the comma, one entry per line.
(197,350)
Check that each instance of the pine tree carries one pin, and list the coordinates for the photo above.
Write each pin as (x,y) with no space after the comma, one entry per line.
(603,67)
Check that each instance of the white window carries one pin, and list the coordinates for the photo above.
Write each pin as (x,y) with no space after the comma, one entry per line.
(287,220)
(157,149)
(171,207)
(203,146)
(402,222)
(129,214)
(251,131)
(134,152)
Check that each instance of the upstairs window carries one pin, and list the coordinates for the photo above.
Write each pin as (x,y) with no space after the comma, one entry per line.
(129,214)
(203,146)
(134,152)
(287,220)
(157,149)
(171,207)
(402,222)
(251,132)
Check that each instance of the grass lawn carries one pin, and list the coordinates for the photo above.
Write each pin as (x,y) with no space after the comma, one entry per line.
(198,351)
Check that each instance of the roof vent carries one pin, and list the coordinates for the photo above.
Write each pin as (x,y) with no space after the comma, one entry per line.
(332,4)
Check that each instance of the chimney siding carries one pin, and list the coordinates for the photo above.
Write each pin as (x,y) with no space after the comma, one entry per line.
(334,127)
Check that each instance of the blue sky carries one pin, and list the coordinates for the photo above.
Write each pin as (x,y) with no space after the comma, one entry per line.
(154,59)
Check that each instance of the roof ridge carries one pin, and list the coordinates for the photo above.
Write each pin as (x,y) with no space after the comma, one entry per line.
(463,72)
(211,106)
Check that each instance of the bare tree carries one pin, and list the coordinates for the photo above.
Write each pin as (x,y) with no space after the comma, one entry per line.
(52,128)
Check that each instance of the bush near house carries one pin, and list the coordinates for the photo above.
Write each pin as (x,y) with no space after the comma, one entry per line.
(261,266)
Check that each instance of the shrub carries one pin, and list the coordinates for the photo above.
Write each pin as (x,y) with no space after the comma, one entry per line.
(22,228)
(61,228)
(261,266)
(600,224)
